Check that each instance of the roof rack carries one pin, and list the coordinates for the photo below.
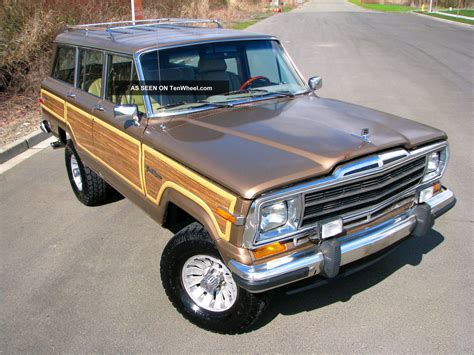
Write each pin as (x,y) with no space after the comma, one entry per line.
(119,26)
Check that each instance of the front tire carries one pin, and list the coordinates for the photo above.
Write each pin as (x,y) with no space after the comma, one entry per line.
(88,187)
(201,287)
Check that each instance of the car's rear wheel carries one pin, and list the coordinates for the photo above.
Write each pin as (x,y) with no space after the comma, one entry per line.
(88,187)
(202,288)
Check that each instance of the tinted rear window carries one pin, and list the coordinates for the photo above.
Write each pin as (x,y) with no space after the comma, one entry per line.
(65,64)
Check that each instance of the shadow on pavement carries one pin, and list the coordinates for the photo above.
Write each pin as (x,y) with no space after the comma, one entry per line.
(113,196)
(409,252)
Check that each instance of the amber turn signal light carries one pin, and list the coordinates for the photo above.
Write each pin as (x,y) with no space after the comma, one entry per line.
(436,187)
(268,250)
(226,215)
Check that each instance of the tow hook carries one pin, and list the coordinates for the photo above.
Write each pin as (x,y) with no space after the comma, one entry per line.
(57,145)
(331,250)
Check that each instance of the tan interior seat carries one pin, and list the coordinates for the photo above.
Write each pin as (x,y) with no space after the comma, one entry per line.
(95,88)
(215,69)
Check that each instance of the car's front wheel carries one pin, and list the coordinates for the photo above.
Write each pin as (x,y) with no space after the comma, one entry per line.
(202,288)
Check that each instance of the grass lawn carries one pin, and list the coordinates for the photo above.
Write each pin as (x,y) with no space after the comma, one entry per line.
(380,7)
(468,12)
(244,24)
(450,18)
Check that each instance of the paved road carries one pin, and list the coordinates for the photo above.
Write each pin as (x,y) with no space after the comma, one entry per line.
(78,279)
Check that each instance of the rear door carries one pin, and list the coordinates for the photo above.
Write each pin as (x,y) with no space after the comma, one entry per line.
(117,142)
(82,99)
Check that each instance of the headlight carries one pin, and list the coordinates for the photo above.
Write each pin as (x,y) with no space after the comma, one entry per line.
(435,164)
(279,218)
(273,216)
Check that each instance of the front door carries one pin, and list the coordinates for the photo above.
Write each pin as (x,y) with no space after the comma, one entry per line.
(117,141)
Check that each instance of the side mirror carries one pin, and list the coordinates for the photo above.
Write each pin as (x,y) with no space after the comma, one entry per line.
(315,82)
(127,112)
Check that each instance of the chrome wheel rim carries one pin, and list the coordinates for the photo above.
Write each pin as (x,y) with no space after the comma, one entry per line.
(76,173)
(209,283)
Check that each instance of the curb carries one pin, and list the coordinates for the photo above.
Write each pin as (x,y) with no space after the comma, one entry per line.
(442,19)
(11,150)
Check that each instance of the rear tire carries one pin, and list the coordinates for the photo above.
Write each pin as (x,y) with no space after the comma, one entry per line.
(88,187)
(221,314)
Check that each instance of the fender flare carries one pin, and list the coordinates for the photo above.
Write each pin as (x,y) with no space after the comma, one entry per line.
(197,211)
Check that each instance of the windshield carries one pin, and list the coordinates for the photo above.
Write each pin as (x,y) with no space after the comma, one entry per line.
(218,74)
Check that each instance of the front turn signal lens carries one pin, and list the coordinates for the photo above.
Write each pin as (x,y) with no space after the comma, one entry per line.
(270,249)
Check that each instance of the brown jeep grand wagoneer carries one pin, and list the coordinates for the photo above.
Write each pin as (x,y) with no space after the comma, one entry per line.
(264,182)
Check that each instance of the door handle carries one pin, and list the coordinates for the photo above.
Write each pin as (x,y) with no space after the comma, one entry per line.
(71,95)
(99,108)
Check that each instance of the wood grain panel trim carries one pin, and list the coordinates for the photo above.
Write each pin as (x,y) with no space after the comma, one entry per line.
(70,116)
(161,173)
(53,104)
(118,151)
(80,123)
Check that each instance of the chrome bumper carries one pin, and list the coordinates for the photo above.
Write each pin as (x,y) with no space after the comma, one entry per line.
(353,247)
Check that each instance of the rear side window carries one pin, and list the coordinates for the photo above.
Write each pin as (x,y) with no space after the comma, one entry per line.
(90,71)
(65,64)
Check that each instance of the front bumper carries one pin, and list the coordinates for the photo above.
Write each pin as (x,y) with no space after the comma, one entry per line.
(353,247)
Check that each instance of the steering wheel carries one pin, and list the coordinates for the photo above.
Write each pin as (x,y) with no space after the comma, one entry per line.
(253,79)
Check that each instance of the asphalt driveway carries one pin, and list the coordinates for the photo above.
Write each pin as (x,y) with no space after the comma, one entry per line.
(79,279)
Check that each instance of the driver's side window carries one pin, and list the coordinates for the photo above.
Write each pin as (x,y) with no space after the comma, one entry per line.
(121,74)
(262,62)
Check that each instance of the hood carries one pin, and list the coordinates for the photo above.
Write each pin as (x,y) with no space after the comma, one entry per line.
(259,147)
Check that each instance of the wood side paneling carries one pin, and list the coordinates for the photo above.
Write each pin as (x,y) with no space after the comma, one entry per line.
(55,106)
(154,165)
(81,126)
(120,153)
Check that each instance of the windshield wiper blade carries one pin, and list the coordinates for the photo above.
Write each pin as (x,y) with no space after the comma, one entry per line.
(263,91)
(245,91)
(173,105)
(196,104)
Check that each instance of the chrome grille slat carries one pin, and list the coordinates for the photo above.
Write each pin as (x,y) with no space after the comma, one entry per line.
(365,186)
(349,198)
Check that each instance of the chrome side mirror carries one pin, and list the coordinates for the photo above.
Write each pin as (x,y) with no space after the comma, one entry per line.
(315,83)
(128,112)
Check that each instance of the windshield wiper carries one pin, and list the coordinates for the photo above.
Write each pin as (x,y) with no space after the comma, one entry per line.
(245,91)
(263,91)
(195,104)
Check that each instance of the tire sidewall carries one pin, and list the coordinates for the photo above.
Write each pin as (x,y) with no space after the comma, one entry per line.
(216,321)
(69,152)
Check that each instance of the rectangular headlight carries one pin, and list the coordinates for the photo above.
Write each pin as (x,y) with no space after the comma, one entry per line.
(278,219)
(273,216)
(435,164)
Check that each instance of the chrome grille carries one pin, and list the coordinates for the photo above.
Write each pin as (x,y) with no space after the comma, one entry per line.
(362,194)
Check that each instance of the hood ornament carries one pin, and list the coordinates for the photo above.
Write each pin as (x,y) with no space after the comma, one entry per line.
(364,135)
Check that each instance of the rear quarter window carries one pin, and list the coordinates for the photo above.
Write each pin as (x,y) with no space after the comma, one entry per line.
(65,64)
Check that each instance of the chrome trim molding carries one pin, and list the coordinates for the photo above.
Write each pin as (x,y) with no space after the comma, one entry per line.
(341,174)
(353,247)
